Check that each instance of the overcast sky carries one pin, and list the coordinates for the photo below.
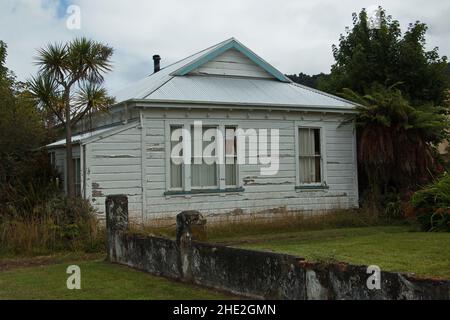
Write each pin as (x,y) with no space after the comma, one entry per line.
(293,35)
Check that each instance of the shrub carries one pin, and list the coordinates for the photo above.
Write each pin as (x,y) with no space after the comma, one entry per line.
(54,225)
(432,205)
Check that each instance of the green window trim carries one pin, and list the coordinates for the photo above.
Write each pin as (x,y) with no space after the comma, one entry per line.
(202,191)
(312,187)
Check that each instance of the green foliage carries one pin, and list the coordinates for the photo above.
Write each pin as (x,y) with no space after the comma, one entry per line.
(392,205)
(21,131)
(68,86)
(30,182)
(395,139)
(307,80)
(432,205)
(365,56)
(53,225)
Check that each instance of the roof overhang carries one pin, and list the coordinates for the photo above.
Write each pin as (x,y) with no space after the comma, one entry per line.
(88,137)
(153,103)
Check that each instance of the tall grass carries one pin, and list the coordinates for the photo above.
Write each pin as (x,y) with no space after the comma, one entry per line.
(281,221)
(58,224)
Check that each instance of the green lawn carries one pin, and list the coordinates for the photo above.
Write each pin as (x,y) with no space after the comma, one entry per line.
(391,248)
(99,280)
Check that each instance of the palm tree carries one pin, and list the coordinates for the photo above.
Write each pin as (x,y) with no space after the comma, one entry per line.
(69,85)
(396,141)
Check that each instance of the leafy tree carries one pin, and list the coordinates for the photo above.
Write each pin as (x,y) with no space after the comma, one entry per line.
(396,140)
(21,127)
(365,56)
(69,85)
(23,170)
(307,80)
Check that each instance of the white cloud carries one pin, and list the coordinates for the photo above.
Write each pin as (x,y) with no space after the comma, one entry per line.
(295,36)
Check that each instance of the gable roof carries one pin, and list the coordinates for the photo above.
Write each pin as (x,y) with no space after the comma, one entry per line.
(178,83)
(228,45)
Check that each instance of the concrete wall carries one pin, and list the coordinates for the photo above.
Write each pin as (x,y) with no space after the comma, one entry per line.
(255,274)
(265,275)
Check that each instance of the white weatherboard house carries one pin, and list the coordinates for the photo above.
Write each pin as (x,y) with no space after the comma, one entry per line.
(227,87)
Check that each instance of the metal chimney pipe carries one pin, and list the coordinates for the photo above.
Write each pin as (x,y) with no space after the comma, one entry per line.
(156,65)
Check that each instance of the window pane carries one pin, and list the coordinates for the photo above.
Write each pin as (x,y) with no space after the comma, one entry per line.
(176,174)
(309,155)
(230,174)
(203,175)
(306,142)
(77,175)
(307,170)
(176,170)
(317,177)
(230,156)
(230,141)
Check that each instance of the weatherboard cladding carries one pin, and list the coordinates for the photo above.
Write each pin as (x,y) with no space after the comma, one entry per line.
(116,166)
(232,63)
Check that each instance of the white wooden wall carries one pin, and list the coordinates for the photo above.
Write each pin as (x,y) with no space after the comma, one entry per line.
(232,63)
(133,162)
(260,192)
(113,166)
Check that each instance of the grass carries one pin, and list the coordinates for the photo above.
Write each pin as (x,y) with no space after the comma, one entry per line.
(99,280)
(268,222)
(393,248)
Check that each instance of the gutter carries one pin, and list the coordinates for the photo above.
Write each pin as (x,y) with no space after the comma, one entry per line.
(142,103)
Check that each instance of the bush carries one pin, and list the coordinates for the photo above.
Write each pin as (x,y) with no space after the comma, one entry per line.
(55,225)
(432,205)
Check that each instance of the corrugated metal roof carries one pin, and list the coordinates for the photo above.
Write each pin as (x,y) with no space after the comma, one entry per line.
(165,86)
(243,91)
(80,137)
(143,87)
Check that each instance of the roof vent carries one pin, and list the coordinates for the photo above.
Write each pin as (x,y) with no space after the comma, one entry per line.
(156,60)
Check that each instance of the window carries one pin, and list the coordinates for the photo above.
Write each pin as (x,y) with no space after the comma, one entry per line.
(230,156)
(210,174)
(310,158)
(176,170)
(77,176)
(204,174)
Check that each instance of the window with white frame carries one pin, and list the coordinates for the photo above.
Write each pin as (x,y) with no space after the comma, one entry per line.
(309,156)
(204,173)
